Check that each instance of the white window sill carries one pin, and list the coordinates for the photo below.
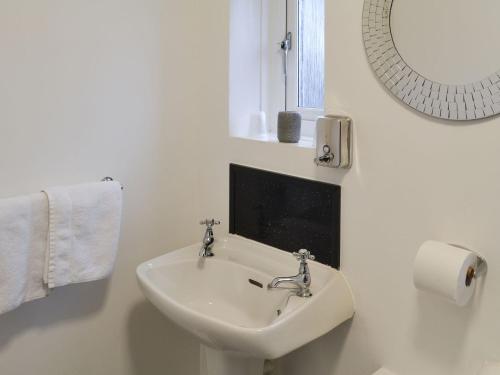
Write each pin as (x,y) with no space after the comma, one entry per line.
(305,142)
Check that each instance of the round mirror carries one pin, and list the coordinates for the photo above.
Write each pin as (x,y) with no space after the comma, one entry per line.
(439,57)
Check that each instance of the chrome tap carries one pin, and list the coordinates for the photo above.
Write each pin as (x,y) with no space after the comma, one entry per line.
(302,280)
(208,238)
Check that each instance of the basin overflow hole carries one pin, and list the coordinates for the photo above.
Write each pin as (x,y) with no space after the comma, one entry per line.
(256,283)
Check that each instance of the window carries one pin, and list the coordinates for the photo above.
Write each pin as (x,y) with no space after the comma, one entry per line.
(302,89)
(311,51)
(259,87)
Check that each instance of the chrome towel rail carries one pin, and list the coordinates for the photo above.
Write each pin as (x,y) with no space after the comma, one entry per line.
(106,179)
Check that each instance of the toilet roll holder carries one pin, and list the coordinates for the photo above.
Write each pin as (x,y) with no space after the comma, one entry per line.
(477,271)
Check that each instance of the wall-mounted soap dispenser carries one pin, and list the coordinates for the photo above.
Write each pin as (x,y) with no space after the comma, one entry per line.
(334,142)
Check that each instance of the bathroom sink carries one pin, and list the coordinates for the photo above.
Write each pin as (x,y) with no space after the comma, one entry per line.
(225,302)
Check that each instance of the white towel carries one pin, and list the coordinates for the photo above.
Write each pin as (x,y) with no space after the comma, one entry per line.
(23,238)
(84,227)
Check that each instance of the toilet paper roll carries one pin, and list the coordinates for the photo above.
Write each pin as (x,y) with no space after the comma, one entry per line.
(490,368)
(446,271)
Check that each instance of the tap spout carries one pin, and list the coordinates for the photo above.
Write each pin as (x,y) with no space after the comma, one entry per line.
(207,243)
(302,280)
(277,281)
(208,239)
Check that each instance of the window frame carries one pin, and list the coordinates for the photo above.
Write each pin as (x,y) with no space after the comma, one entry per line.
(278,17)
(292,85)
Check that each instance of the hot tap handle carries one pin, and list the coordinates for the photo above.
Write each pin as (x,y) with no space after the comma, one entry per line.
(210,222)
(304,255)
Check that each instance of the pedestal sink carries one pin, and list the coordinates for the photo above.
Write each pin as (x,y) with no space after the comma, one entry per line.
(224,301)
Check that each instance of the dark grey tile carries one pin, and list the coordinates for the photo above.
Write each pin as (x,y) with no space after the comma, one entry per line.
(286,212)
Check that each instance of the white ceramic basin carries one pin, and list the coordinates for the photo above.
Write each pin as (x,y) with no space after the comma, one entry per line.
(214,299)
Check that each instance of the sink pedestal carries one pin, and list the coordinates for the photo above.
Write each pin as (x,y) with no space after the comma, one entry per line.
(216,362)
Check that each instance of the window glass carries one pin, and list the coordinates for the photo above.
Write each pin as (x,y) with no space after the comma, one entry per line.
(311,53)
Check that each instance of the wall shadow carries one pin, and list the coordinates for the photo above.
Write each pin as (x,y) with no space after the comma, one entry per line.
(157,346)
(439,323)
(322,356)
(72,302)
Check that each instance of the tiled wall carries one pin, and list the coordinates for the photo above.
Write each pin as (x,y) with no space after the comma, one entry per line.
(286,212)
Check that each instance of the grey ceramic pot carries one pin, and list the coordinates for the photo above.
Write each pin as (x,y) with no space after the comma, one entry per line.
(289,127)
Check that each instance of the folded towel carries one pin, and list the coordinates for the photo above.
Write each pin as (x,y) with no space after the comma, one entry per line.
(84,226)
(23,238)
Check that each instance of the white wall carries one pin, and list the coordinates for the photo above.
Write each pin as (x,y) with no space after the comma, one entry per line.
(90,88)
(414,178)
(129,88)
(245,67)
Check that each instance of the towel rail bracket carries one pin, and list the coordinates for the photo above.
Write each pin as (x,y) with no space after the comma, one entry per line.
(106,179)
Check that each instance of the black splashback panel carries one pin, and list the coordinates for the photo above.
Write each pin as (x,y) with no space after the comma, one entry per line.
(286,212)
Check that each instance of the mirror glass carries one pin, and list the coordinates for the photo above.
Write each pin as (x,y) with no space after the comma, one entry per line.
(448,41)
